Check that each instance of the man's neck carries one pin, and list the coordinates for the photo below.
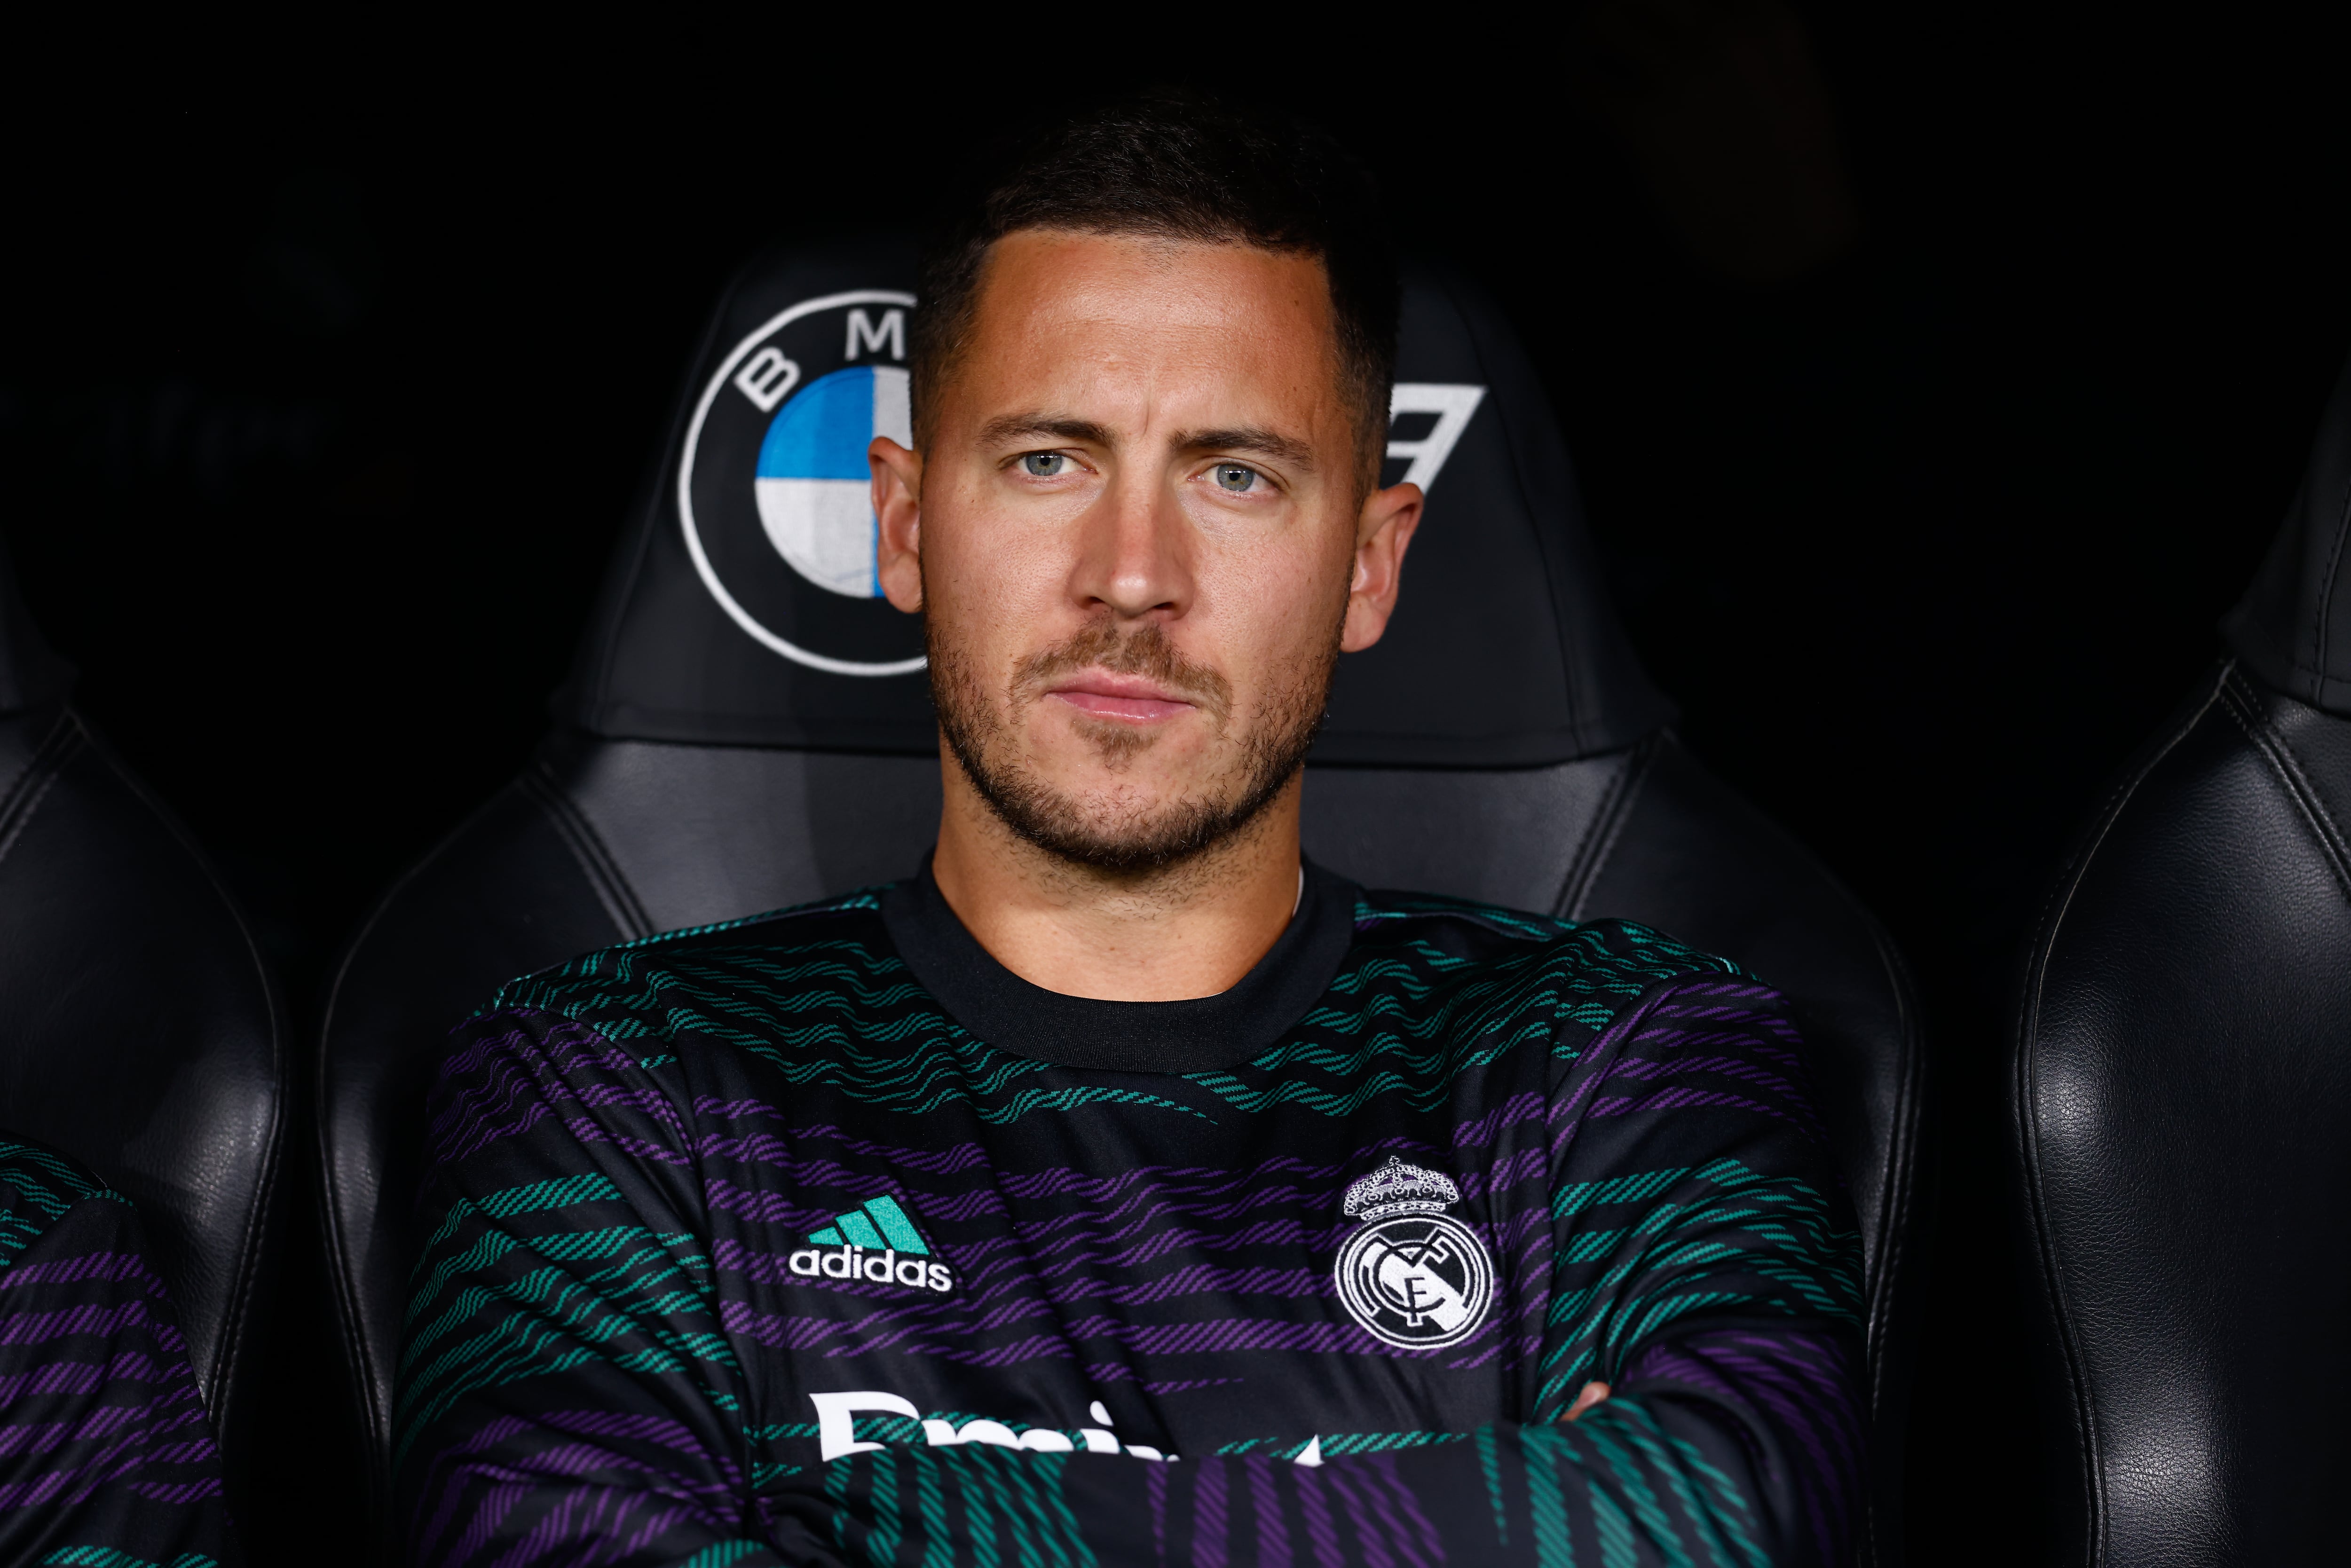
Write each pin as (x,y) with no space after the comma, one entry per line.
(1192,929)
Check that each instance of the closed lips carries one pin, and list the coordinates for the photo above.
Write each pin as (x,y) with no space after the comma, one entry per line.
(1130,698)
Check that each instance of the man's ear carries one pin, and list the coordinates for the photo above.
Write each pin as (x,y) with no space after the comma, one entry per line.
(1382,533)
(898,504)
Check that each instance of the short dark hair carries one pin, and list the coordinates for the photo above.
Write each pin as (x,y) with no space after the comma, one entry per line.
(1176,164)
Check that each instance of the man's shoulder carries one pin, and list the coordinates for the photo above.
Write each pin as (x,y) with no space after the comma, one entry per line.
(38,1187)
(635,989)
(1460,940)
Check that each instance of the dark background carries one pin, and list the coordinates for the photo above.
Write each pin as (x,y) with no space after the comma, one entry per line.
(1936,384)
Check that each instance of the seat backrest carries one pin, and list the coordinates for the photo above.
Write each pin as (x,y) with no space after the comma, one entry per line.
(138,1031)
(747,727)
(2182,1079)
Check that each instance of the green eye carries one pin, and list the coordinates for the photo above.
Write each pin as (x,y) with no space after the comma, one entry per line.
(1045,465)
(1236,477)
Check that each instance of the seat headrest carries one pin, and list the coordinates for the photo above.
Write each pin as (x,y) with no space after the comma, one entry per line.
(2294,625)
(31,673)
(741,607)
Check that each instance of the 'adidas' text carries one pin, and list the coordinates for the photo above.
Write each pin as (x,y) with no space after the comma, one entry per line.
(884,1268)
(878,1242)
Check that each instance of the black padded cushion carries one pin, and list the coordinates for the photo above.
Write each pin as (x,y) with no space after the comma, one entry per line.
(1501,743)
(2181,1088)
(138,1030)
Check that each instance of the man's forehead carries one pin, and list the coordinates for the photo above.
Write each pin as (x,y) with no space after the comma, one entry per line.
(1064,318)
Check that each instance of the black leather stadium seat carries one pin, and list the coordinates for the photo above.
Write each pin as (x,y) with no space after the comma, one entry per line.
(138,1031)
(717,757)
(2182,1086)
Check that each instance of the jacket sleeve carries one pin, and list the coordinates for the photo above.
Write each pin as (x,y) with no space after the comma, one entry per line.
(567,1391)
(106,1452)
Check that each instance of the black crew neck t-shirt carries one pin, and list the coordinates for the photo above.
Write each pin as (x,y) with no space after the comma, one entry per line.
(1196,1036)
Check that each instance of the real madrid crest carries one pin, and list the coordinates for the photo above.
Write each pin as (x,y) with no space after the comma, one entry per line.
(1413,1276)
(774,495)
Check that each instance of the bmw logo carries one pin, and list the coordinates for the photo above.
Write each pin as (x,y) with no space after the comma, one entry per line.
(773,491)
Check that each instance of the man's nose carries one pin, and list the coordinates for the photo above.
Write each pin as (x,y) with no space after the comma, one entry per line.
(1135,557)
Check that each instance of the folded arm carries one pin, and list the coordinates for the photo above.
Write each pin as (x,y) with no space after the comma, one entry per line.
(106,1452)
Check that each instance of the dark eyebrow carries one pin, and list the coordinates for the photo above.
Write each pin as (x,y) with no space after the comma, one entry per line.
(1023,426)
(1247,439)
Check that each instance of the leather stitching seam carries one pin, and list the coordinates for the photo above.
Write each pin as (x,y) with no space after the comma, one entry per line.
(2245,710)
(1607,826)
(587,848)
(237,1316)
(1898,1180)
(2054,904)
(350,1296)
(64,739)
(1901,1157)
(2326,596)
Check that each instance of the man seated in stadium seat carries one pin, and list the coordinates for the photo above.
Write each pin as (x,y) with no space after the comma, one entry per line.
(107,1456)
(1119,1188)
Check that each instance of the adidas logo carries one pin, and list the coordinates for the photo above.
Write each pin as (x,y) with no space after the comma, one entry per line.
(877,1240)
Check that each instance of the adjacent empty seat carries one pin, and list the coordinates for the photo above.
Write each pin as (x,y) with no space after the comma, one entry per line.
(747,727)
(138,1031)
(2182,1083)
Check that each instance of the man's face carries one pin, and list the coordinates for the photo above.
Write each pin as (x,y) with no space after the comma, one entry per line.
(1139,534)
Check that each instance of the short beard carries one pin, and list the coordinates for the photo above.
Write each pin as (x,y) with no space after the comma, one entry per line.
(1134,840)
